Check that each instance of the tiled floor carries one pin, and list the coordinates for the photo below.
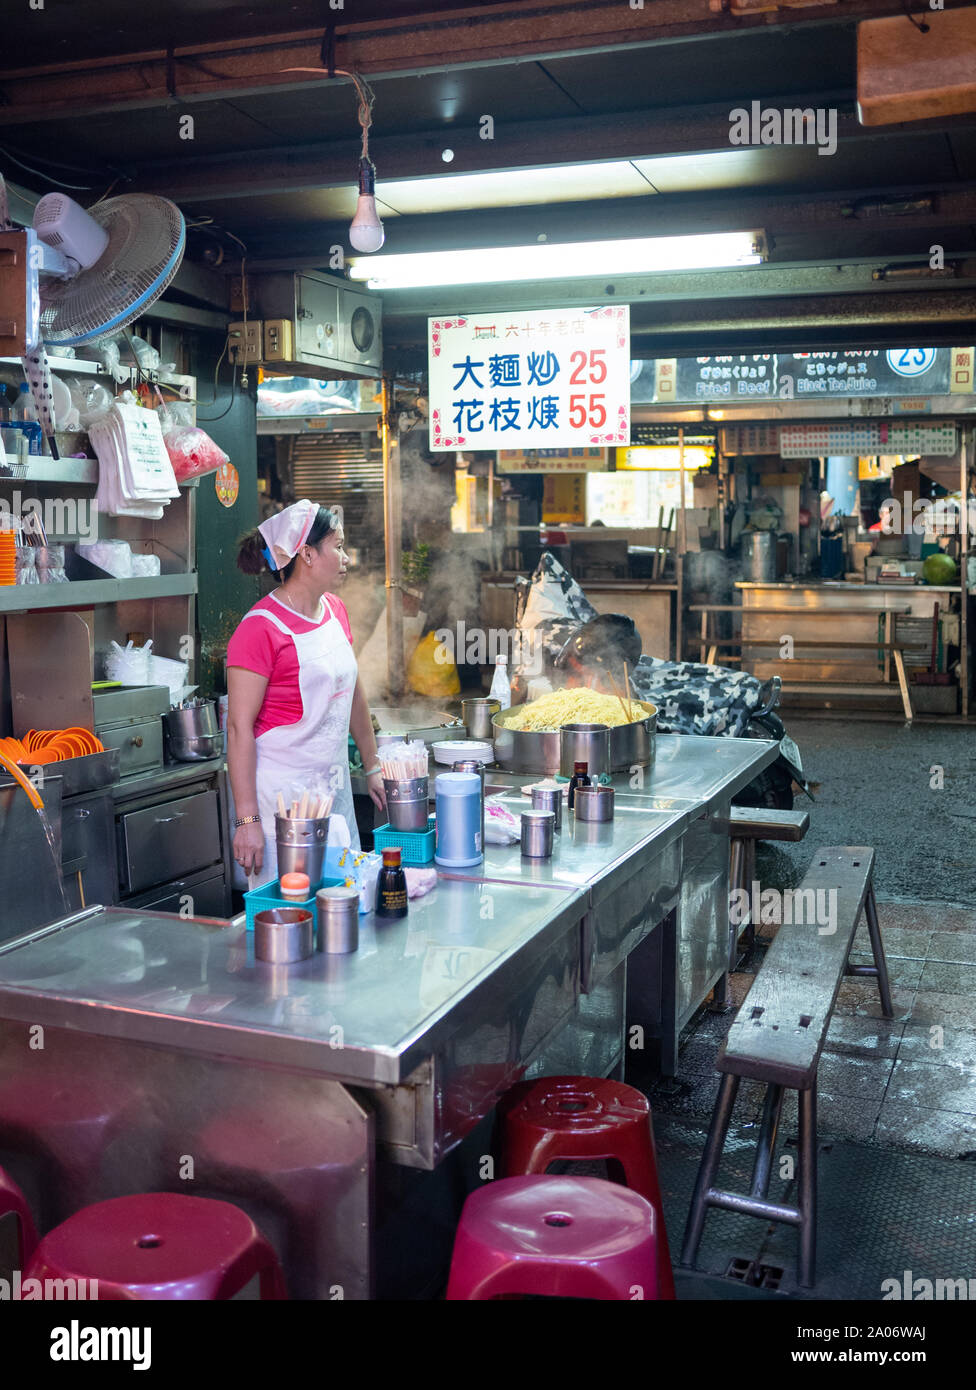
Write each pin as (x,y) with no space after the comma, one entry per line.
(908,1083)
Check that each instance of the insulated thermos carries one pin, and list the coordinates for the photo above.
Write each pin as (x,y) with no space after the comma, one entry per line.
(458,811)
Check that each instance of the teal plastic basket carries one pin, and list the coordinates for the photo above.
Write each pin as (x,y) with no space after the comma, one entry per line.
(269,896)
(416,846)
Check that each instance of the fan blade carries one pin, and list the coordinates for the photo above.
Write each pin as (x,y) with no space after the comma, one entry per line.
(38,371)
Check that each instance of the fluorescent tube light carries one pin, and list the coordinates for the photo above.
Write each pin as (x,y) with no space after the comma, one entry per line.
(573,260)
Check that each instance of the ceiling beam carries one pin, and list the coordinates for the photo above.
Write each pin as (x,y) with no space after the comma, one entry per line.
(792,324)
(788,216)
(516,145)
(707,287)
(472,36)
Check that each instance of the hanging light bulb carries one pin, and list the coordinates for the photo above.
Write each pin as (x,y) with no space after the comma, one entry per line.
(366,230)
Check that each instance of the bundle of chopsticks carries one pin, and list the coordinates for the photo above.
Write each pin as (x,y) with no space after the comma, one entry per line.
(309,806)
(402,761)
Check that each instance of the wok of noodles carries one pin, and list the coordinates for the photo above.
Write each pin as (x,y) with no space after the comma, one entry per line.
(577,706)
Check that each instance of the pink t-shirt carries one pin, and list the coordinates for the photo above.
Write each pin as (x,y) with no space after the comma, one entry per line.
(260,646)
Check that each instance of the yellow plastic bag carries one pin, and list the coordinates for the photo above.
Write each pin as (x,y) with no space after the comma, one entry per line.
(431,670)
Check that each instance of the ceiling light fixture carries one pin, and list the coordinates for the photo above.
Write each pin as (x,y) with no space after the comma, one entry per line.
(567,261)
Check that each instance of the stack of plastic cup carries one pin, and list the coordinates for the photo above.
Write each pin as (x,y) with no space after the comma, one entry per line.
(8,558)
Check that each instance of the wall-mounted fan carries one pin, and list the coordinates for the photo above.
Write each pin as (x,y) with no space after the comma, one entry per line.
(74,277)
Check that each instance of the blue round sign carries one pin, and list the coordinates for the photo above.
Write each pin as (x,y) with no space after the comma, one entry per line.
(910,361)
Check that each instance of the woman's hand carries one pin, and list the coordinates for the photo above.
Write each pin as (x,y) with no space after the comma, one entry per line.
(376,789)
(249,847)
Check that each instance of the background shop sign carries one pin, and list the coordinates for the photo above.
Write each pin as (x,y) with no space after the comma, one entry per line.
(739,377)
(545,380)
(879,372)
(551,460)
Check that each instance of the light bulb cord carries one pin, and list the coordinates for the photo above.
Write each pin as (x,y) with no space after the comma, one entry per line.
(366,99)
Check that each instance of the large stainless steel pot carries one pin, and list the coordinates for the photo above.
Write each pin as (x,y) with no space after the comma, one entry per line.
(518,750)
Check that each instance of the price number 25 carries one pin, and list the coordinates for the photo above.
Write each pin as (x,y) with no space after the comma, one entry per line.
(588,407)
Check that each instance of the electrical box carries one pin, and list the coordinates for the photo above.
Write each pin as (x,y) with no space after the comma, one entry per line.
(279,344)
(246,341)
(323,328)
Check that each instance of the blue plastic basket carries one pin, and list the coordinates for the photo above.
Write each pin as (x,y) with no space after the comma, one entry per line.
(269,896)
(417,846)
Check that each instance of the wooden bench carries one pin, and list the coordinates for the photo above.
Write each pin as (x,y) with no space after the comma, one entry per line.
(777,1038)
(746,825)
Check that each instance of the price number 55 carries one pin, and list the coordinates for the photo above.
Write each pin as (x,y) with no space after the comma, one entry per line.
(588,407)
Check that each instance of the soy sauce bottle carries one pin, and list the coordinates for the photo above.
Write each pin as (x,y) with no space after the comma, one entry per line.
(579,778)
(391,887)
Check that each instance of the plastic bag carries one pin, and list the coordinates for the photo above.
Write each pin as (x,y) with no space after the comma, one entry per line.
(174,414)
(114,557)
(428,675)
(358,868)
(501,826)
(192,452)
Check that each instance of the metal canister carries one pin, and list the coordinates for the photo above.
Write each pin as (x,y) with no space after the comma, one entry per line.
(473,765)
(549,799)
(283,935)
(407,802)
(759,556)
(477,715)
(537,833)
(594,803)
(584,743)
(337,920)
(301,846)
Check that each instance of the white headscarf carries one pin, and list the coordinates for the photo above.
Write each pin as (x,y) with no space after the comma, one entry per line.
(287,532)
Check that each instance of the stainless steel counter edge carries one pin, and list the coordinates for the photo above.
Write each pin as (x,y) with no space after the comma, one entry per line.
(171,775)
(376,1064)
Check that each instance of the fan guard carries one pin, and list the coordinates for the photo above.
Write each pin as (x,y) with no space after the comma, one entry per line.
(147,237)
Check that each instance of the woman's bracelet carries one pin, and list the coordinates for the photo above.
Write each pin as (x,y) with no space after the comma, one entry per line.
(247,820)
(373,770)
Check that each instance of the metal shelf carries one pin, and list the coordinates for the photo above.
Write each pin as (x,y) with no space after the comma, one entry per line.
(87,593)
(342,423)
(64,364)
(67,471)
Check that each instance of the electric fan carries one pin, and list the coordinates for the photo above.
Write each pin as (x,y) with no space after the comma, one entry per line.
(89,275)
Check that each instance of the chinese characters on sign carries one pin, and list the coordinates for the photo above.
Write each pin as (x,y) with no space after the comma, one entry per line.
(548,380)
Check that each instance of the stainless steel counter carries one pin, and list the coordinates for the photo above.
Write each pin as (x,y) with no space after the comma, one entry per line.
(285,1084)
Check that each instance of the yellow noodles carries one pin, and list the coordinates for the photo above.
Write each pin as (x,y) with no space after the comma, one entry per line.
(579,706)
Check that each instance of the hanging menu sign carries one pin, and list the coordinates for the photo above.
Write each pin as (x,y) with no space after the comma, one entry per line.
(553,379)
(895,372)
(741,377)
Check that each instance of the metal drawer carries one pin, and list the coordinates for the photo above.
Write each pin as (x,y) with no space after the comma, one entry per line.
(198,895)
(140,745)
(168,841)
(87,825)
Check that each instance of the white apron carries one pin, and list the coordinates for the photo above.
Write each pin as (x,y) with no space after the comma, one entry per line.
(317,746)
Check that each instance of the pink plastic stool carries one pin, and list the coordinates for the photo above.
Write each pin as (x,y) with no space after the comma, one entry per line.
(558,1236)
(160,1245)
(12,1200)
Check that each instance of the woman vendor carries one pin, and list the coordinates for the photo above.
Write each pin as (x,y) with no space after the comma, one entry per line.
(294,694)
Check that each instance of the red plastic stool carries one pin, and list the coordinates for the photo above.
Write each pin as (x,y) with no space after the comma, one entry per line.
(160,1245)
(561,1237)
(67,1123)
(571,1118)
(12,1200)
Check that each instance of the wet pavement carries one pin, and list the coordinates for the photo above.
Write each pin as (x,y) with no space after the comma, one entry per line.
(908,790)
